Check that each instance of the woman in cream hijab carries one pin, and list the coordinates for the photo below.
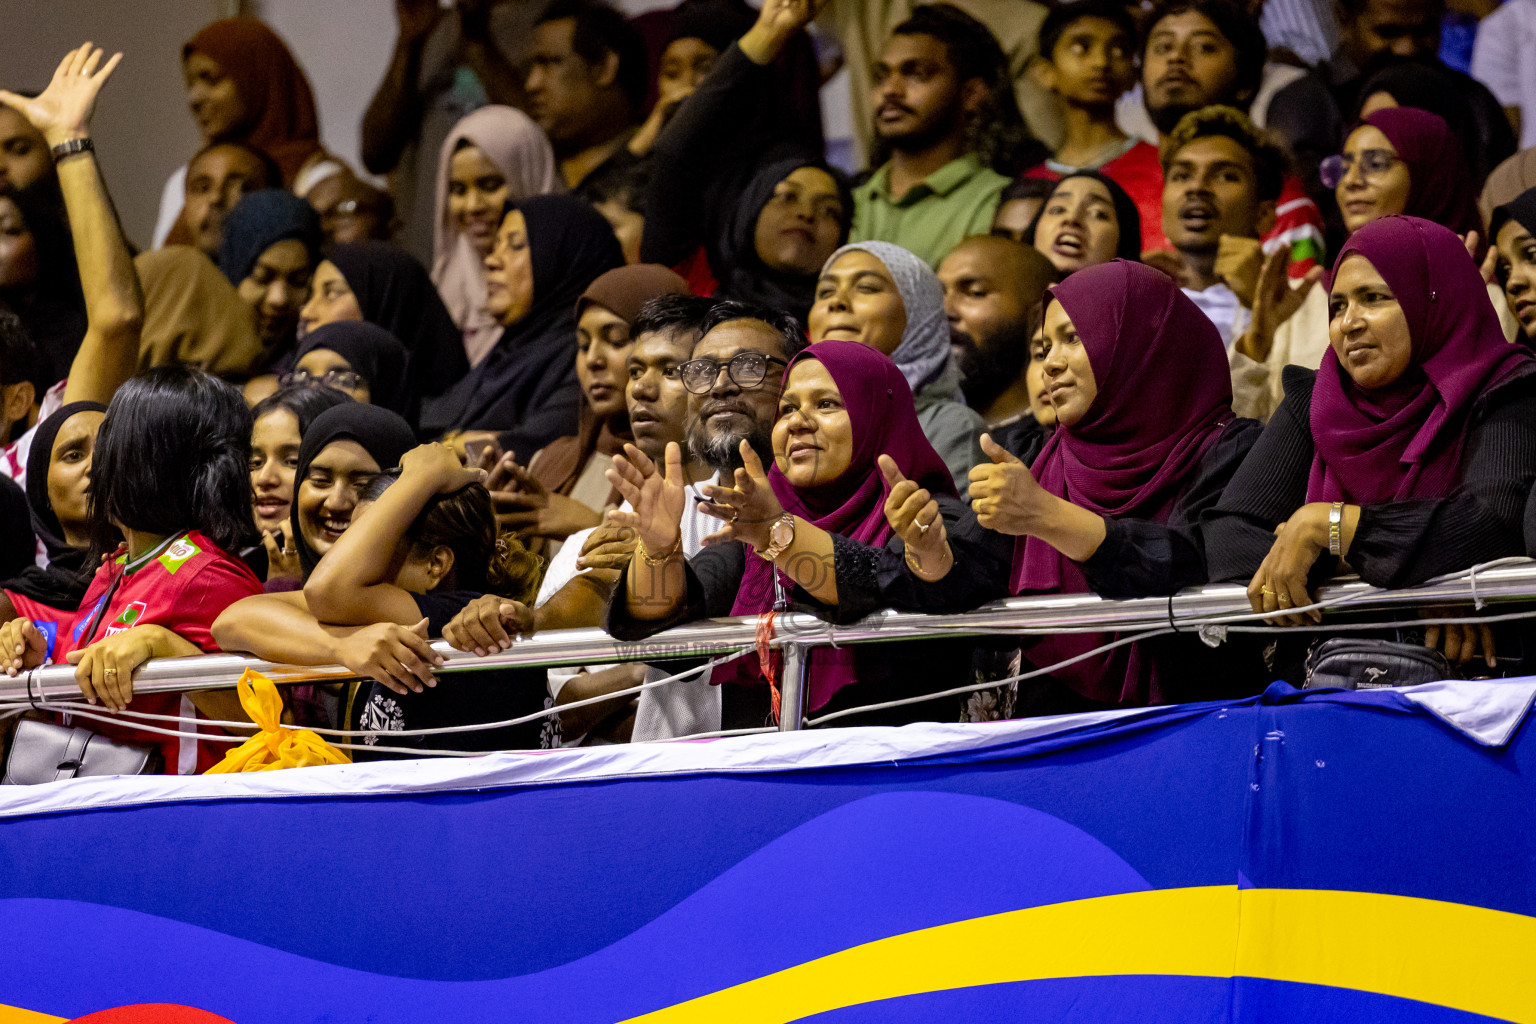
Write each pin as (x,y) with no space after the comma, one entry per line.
(492,155)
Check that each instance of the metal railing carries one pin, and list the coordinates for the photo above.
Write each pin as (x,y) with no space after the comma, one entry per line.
(1190,610)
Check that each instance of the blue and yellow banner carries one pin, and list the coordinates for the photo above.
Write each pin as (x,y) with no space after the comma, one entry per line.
(1312,858)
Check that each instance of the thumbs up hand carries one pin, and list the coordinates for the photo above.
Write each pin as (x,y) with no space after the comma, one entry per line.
(1004,494)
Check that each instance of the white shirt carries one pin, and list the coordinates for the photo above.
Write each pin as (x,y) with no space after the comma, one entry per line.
(679,708)
(1504,59)
(1221,306)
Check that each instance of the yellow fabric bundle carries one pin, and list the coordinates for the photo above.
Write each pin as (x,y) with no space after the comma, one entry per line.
(274,746)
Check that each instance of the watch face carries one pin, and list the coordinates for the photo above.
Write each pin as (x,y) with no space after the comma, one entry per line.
(782,533)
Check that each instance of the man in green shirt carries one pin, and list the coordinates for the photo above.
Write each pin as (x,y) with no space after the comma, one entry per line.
(946,122)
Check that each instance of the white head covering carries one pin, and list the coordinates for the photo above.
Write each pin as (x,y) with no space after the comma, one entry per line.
(517,146)
(924,350)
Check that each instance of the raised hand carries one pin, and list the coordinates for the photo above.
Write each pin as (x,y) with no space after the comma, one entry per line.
(63,110)
(1239,263)
(1274,302)
(776,22)
(1004,493)
(656,497)
(914,515)
(1490,267)
(749,508)
(282,555)
(437,465)
(417,18)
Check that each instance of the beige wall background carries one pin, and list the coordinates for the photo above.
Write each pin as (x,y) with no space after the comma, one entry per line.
(143,130)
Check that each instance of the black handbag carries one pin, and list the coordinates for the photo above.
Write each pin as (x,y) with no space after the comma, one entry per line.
(1358,663)
(45,752)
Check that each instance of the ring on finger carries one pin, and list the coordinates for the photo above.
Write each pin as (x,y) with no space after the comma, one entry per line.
(1284,599)
(921,527)
(1267,590)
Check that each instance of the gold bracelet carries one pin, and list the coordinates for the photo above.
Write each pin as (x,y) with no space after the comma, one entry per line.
(654,560)
(917,569)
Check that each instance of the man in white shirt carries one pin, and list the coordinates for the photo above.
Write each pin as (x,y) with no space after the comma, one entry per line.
(1221,179)
(723,392)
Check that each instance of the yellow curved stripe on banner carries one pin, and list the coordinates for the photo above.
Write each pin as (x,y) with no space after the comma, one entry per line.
(1446,954)
(16,1015)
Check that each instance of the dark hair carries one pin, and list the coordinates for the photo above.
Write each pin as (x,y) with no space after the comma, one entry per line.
(305,401)
(1354,8)
(173,454)
(601,30)
(1027,188)
(272,174)
(619,181)
(791,334)
(996,132)
(1239,29)
(672,313)
(41,206)
(19,358)
(464,522)
(1064,17)
(1269,163)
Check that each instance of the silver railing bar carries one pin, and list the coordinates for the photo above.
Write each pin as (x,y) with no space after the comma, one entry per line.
(713,637)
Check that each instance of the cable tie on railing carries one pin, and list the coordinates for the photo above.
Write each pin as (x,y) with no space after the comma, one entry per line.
(1171,623)
(1477,600)
(30,698)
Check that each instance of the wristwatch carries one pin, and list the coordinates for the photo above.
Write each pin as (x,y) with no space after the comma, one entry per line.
(780,536)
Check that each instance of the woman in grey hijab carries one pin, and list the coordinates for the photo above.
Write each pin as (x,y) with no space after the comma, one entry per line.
(885,297)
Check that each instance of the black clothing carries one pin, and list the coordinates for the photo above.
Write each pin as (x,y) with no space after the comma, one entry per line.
(459,698)
(1023,437)
(1140,558)
(396,293)
(1398,543)
(527,384)
(868,578)
(714,168)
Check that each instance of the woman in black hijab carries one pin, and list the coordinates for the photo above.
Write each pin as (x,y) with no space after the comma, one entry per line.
(548,250)
(61,585)
(330,476)
(332,355)
(375,282)
(1512,231)
(740,201)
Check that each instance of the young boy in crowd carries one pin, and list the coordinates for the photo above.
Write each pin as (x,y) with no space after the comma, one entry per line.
(1088,60)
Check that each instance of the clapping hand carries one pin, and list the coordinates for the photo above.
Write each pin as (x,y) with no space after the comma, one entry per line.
(749,507)
(656,496)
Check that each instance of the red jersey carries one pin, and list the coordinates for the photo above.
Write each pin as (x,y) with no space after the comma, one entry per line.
(1298,221)
(182,584)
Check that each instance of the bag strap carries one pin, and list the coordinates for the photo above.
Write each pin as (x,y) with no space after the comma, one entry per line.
(74,754)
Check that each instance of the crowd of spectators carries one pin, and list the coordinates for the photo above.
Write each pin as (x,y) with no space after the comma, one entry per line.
(1123,299)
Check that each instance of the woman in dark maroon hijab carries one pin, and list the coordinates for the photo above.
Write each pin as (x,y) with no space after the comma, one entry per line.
(858,512)
(1410,451)
(1145,441)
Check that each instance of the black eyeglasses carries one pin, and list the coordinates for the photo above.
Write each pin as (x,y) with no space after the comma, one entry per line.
(341,380)
(1373,163)
(747,370)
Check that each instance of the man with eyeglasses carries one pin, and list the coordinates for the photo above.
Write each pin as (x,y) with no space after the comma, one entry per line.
(734,379)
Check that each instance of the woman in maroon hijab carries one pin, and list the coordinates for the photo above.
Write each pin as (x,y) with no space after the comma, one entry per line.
(857,513)
(1145,441)
(1407,454)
